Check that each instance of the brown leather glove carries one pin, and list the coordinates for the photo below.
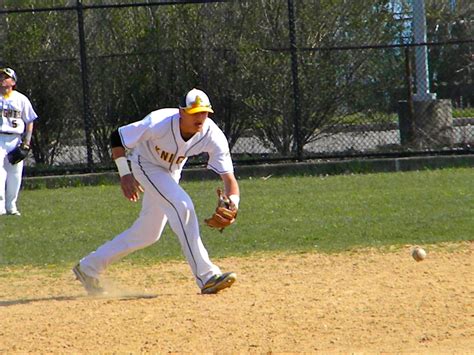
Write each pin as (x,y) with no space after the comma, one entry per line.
(225,213)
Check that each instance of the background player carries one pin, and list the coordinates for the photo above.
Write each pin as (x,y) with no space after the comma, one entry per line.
(16,126)
(161,143)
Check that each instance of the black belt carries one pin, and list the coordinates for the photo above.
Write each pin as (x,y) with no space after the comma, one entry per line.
(8,133)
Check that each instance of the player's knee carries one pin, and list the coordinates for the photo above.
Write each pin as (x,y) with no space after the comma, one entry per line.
(187,208)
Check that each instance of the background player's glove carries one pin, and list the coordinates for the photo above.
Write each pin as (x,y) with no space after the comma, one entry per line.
(225,213)
(19,153)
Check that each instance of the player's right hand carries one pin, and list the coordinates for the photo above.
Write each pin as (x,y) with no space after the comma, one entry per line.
(131,188)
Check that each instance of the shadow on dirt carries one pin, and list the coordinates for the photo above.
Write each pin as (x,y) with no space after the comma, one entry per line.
(8,303)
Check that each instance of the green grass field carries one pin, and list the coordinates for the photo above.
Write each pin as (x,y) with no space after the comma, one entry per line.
(295,214)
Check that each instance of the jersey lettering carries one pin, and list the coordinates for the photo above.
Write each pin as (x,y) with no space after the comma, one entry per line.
(169,157)
(10,113)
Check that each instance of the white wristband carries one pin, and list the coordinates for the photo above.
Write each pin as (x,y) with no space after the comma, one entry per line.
(122,166)
(235,199)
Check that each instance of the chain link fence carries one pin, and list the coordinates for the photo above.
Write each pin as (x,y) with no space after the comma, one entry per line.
(289,80)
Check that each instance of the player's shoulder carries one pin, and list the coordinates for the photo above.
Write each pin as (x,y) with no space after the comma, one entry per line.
(212,124)
(214,129)
(18,95)
(213,132)
(163,114)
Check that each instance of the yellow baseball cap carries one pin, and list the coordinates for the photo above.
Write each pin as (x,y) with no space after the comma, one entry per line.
(195,101)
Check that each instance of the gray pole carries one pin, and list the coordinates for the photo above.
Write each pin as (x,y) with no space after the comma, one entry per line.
(294,72)
(3,33)
(85,84)
(421,53)
(411,109)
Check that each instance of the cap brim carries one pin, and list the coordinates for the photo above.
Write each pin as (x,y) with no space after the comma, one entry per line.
(6,73)
(199,109)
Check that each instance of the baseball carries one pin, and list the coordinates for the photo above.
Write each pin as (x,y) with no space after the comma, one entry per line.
(418,253)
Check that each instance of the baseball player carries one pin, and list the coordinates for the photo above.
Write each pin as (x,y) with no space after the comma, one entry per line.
(16,128)
(160,144)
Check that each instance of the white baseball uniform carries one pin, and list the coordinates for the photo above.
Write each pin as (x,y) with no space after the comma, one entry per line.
(16,112)
(158,156)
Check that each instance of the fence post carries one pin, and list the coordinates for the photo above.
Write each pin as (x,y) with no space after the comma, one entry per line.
(294,72)
(406,113)
(85,84)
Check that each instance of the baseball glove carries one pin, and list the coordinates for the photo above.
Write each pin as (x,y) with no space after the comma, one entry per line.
(225,213)
(18,154)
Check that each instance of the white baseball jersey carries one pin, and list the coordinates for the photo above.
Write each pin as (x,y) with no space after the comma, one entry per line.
(16,112)
(157,139)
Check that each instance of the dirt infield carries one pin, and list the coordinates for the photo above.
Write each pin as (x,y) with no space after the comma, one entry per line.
(364,301)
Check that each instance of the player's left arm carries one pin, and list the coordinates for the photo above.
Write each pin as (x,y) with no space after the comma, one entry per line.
(26,139)
(231,188)
(227,204)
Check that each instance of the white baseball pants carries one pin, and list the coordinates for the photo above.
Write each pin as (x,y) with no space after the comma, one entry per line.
(10,175)
(163,200)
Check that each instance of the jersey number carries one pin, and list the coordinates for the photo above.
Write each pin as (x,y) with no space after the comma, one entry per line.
(13,123)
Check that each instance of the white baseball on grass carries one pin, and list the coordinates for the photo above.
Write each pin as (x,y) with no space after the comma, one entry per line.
(418,253)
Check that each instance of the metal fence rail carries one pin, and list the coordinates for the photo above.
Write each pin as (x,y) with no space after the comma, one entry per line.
(288,80)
